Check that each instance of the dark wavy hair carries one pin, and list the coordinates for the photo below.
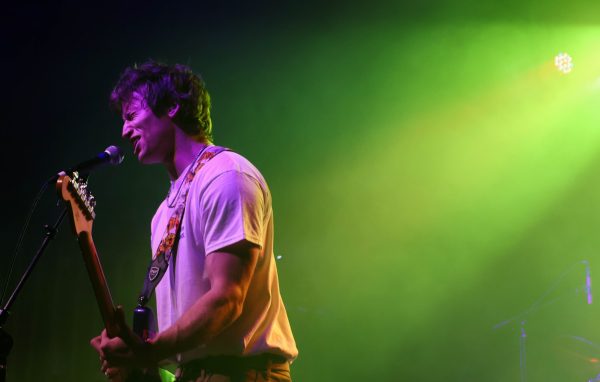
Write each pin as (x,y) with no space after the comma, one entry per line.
(164,86)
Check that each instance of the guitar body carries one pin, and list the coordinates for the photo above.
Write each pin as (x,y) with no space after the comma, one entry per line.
(144,325)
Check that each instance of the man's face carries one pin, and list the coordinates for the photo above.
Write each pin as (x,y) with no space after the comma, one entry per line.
(152,137)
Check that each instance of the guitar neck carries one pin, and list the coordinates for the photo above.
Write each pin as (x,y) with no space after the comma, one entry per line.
(98,280)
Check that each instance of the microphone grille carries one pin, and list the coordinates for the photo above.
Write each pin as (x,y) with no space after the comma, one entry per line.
(115,155)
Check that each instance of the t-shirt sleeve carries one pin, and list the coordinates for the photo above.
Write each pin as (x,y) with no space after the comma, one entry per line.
(232,208)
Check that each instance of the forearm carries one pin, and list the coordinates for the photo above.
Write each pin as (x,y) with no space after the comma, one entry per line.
(208,317)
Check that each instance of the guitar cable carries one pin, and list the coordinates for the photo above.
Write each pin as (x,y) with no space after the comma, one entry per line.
(21,237)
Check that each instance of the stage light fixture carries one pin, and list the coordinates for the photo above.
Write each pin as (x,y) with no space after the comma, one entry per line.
(563,62)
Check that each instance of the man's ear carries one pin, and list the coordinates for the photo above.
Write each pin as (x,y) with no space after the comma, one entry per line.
(172,112)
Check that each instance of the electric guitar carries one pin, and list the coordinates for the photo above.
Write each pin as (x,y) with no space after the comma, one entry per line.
(81,205)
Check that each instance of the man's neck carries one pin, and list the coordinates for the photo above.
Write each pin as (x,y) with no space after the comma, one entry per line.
(186,150)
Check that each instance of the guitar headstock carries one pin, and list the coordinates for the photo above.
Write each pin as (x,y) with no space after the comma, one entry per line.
(74,192)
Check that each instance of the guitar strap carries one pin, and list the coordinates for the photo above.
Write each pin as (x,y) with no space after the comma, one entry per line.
(168,245)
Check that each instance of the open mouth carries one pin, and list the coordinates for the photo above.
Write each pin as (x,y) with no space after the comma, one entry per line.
(136,146)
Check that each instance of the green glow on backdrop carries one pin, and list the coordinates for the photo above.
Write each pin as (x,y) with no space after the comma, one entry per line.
(447,147)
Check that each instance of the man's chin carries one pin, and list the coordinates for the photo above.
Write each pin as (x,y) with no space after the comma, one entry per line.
(145,159)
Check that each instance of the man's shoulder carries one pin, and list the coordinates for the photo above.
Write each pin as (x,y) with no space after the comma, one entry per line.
(228,161)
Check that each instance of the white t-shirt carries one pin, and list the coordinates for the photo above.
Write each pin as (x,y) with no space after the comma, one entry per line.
(228,201)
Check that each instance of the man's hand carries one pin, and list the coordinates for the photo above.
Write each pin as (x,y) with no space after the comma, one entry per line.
(114,374)
(123,352)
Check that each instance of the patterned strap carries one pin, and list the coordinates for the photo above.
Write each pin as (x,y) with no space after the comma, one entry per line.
(168,245)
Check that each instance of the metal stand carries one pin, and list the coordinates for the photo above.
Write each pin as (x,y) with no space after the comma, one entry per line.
(6,341)
(538,304)
(523,353)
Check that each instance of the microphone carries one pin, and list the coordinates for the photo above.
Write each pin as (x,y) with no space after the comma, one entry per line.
(112,155)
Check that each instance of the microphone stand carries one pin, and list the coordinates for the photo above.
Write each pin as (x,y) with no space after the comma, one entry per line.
(537,305)
(6,341)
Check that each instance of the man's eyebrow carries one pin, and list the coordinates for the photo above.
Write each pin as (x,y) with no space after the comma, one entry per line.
(126,108)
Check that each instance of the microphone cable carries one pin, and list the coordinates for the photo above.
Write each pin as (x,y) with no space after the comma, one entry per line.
(21,237)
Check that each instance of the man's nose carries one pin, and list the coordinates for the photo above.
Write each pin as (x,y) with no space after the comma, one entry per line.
(126,131)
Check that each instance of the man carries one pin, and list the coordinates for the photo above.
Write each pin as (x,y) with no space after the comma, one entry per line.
(220,314)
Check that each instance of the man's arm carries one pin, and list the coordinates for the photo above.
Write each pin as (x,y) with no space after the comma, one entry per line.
(229,271)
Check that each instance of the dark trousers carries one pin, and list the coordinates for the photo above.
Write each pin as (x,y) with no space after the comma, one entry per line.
(261,368)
